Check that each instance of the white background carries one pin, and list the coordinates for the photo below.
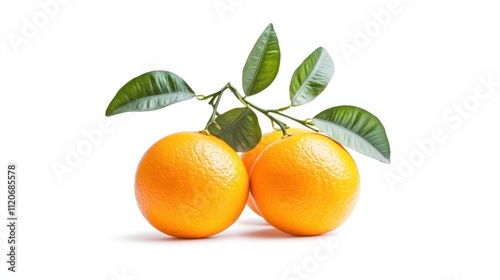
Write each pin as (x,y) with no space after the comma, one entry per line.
(441,221)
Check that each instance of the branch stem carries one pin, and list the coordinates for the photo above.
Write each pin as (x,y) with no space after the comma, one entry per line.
(242,99)
(217,96)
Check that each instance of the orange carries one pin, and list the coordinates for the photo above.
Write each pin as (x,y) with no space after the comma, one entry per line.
(251,204)
(305,184)
(250,156)
(191,185)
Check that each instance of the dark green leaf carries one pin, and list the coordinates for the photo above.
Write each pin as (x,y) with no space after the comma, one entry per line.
(150,91)
(239,128)
(357,129)
(311,77)
(262,64)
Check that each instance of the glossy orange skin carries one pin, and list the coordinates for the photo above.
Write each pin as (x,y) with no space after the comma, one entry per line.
(191,185)
(305,184)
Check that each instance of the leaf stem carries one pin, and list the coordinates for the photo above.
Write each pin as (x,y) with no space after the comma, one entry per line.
(305,123)
(214,101)
(205,97)
(283,108)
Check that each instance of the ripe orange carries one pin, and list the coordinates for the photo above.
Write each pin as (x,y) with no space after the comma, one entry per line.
(250,156)
(305,184)
(191,185)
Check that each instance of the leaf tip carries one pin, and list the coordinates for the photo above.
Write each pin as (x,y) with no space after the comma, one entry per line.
(108,112)
(111,111)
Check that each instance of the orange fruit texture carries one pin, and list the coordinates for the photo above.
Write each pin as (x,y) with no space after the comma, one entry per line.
(305,184)
(191,185)
(250,156)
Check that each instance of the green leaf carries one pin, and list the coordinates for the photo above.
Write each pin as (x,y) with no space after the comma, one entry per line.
(311,77)
(262,63)
(239,128)
(150,91)
(357,129)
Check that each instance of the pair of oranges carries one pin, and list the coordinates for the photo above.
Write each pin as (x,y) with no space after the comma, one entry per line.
(193,185)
